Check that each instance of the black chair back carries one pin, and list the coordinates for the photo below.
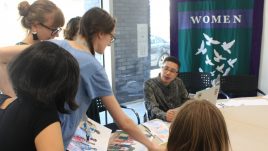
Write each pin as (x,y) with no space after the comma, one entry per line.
(240,85)
(195,81)
(97,106)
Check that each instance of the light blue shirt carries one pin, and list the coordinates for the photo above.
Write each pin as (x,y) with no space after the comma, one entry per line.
(93,83)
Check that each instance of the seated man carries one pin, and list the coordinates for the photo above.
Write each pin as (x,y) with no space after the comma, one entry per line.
(165,92)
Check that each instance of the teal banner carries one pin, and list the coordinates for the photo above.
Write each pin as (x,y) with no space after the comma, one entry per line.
(215,36)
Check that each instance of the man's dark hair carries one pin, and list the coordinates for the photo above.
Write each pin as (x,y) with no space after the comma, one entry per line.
(46,74)
(173,59)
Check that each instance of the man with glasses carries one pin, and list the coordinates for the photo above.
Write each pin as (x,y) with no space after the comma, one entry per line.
(166,92)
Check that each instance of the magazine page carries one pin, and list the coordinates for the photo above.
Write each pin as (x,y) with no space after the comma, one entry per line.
(121,141)
(158,128)
(90,135)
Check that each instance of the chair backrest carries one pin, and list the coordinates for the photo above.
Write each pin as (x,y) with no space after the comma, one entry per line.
(239,85)
(97,106)
(195,81)
(93,110)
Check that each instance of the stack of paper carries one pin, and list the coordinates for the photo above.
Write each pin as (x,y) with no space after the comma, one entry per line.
(90,135)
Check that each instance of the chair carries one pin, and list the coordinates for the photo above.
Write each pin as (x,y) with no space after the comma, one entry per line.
(195,81)
(240,86)
(96,107)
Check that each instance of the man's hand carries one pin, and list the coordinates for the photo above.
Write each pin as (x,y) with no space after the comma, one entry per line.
(170,115)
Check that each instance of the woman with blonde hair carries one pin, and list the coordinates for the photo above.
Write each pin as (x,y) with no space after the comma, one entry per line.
(198,126)
(43,21)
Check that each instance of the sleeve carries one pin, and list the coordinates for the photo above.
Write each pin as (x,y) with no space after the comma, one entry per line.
(43,117)
(151,104)
(96,83)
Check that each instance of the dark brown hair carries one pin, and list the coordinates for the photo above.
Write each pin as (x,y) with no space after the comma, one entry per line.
(46,74)
(94,21)
(173,59)
(199,126)
(72,28)
(38,11)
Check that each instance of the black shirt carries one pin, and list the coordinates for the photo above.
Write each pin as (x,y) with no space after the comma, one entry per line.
(22,121)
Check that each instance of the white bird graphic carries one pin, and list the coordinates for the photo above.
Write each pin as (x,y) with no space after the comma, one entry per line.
(200,69)
(231,62)
(210,40)
(227,46)
(218,57)
(219,68)
(202,49)
(226,71)
(208,61)
(212,73)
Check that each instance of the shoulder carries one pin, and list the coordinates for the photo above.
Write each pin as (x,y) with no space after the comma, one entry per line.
(178,80)
(150,82)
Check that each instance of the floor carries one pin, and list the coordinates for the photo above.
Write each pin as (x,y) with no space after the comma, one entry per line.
(137,105)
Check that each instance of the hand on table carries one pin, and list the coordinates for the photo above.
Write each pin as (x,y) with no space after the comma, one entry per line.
(170,115)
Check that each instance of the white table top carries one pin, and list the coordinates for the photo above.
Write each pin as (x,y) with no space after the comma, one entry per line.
(247,125)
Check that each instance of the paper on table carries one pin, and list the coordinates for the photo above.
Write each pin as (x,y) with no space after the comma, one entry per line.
(90,135)
(158,128)
(265,97)
(121,141)
(245,101)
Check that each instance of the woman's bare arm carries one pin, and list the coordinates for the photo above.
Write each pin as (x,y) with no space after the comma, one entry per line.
(7,53)
(50,138)
(126,124)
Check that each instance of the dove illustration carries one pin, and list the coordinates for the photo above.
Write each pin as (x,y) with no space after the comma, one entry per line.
(218,57)
(227,46)
(231,62)
(200,69)
(208,61)
(219,68)
(212,73)
(202,49)
(210,40)
(226,71)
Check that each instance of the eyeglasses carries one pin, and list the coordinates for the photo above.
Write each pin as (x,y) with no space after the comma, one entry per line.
(172,70)
(113,38)
(54,31)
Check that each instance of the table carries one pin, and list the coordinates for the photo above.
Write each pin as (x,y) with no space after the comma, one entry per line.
(247,122)
(247,127)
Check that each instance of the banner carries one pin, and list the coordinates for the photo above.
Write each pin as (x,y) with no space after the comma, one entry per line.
(216,36)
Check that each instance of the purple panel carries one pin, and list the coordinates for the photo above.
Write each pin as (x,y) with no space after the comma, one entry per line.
(257,36)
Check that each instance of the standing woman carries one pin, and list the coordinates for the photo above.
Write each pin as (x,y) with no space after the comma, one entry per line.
(42,20)
(44,77)
(97,31)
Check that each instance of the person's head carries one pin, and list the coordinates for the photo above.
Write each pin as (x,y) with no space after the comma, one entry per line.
(98,29)
(43,18)
(170,70)
(46,73)
(71,29)
(198,126)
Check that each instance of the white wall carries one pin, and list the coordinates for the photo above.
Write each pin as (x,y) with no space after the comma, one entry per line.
(263,75)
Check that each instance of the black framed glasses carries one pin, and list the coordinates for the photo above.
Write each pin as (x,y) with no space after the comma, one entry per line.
(54,31)
(113,38)
(172,70)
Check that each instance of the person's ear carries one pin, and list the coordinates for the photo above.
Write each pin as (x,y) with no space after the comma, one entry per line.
(100,35)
